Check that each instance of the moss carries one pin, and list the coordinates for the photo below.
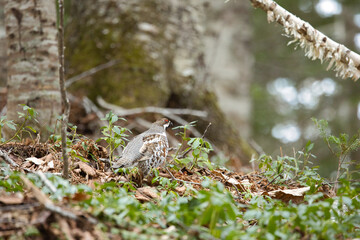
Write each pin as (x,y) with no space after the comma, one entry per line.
(131,82)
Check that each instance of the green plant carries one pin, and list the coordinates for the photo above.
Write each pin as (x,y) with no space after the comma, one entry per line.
(165,183)
(10,180)
(296,168)
(198,146)
(341,147)
(114,135)
(29,115)
(10,124)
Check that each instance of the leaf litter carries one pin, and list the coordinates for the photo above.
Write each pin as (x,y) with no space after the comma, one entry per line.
(32,209)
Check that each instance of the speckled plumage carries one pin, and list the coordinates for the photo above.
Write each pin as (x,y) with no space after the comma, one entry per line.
(147,150)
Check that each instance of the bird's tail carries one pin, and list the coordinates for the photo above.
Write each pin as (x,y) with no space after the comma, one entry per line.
(120,163)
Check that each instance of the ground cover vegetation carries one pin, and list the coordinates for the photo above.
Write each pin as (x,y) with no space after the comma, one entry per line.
(195,198)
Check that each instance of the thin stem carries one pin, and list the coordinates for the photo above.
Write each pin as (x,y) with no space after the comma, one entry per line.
(65,100)
(17,132)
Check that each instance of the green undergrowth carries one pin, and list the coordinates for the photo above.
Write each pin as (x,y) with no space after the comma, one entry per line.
(211,211)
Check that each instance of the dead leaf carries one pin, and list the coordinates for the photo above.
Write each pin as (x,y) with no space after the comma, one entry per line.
(149,192)
(80,196)
(246,183)
(48,157)
(35,160)
(141,197)
(145,194)
(296,195)
(180,190)
(51,164)
(15,198)
(232,181)
(87,169)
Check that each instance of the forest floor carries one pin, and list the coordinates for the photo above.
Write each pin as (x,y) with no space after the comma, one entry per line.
(34,208)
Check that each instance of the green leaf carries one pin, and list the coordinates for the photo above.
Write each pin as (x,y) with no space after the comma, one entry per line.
(196,143)
(117,130)
(31,129)
(309,146)
(114,119)
(11,125)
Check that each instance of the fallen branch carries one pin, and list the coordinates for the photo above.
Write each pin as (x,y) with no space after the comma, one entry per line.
(164,111)
(6,157)
(317,45)
(46,181)
(49,205)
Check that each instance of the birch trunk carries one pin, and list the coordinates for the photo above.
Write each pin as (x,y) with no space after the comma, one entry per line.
(2,45)
(33,75)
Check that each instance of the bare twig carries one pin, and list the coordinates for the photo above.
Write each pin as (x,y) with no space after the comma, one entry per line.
(65,100)
(164,111)
(48,204)
(316,44)
(206,129)
(91,71)
(46,181)
(272,181)
(237,191)
(186,152)
(6,157)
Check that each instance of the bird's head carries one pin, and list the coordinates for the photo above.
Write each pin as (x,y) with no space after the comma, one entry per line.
(164,122)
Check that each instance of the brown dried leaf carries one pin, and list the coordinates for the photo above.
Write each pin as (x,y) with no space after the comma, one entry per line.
(87,169)
(141,197)
(149,192)
(15,198)
(48,157)
(181,190)
(245,184)
(295,195)
(80,196)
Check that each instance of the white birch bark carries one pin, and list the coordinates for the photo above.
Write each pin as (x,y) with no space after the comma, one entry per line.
(33,75)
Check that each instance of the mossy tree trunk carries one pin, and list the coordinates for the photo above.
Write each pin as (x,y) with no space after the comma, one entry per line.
(33,74)
(161,48)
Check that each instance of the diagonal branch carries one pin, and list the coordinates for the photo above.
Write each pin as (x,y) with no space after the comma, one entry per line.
(317,45)
(164,111)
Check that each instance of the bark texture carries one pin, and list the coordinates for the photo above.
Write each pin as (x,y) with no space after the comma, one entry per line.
(3,74)
(33,76)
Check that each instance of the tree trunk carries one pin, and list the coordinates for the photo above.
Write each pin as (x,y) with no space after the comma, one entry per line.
(33,76)
(161,47)
(3,48)
(2,45)
(230,60)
